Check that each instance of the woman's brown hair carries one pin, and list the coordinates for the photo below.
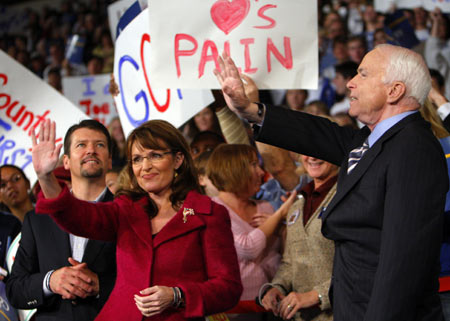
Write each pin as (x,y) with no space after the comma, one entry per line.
(160,135)
(229,167)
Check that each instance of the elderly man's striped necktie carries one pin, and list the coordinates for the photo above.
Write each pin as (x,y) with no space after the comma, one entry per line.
(355,155)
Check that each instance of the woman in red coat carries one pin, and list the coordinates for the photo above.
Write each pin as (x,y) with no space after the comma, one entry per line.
(175,254)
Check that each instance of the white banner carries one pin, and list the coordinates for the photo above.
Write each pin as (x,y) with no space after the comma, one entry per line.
(274,42)
(139,99)
(91,95)
(25,102)
(430,5)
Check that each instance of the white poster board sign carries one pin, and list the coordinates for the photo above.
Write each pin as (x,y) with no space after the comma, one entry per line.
(274,42)
(115,11)
(91,95)
(25,102)
(430,5)
(140,99)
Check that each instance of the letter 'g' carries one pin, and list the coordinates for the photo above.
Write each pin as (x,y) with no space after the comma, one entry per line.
(141,94)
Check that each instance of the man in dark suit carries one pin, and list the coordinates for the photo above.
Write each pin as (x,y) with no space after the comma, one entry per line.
(386,217)
(64,276)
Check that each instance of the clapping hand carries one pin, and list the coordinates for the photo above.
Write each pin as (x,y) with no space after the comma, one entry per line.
(75,281)
(272,299)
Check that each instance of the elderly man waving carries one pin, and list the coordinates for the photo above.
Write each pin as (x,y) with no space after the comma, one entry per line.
(386,216)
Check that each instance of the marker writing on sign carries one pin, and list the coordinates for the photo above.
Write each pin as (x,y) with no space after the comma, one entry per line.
(187,45)
(141,96)
(11,155)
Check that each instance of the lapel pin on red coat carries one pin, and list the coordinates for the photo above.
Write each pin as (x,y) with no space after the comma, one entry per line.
(186,212)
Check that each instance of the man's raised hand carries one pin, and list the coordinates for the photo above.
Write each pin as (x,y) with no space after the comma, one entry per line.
(45,152)
(233,89)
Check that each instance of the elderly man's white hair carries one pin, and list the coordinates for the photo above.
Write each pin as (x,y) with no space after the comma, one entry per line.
(408,67)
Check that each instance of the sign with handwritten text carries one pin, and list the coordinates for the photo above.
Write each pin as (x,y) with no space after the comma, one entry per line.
(430,5)
(25,102)
(272,41)
(91,95)
(117,9)
(141,98)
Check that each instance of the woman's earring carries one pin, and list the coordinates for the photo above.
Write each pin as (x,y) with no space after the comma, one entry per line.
(175,175)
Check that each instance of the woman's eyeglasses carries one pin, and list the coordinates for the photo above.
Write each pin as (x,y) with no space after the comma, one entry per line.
(153,157)
(14,179)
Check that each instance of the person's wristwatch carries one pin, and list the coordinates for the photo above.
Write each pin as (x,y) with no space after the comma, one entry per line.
(260,112)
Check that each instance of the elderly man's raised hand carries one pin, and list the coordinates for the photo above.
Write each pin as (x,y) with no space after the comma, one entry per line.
(233,89)
(45,152)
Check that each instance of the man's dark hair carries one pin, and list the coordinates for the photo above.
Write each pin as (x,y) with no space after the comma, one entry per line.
(89,124)
(347,69)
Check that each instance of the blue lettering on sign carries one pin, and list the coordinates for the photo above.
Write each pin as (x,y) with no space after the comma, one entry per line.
(179,94)
(9,155)
(106,89)
(89,91)
(5,125)
(141,94)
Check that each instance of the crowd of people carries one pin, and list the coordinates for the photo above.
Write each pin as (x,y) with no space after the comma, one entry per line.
(266,205)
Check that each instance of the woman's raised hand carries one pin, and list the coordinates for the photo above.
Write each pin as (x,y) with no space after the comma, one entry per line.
(45,152)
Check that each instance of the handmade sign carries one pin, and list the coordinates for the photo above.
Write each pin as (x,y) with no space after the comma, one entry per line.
(274,42)
(430,5)
(25,102)
(91,95)
(141,98)
(116,12)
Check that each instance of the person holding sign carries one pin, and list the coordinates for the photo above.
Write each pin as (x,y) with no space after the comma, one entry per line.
(175,253)
(387,215)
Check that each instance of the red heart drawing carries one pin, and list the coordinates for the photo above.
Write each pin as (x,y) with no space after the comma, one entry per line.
(227,14)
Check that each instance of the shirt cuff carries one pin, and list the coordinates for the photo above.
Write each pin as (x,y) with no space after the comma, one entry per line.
(46,284)
(444,110)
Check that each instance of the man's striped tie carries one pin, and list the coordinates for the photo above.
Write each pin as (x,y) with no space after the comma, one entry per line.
(355,155)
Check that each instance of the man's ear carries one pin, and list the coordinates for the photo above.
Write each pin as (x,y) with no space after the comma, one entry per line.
(396,91)
(66,162)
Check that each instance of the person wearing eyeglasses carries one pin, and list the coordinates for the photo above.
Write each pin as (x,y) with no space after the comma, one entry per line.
(14,191)
(175,254)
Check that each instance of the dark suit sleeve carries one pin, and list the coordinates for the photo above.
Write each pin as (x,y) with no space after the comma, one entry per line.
(446,123)
(307,134)
(24,285)
(412,229)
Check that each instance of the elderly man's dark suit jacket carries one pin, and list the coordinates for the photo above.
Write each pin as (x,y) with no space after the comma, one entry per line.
(44,247)
(386,217)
